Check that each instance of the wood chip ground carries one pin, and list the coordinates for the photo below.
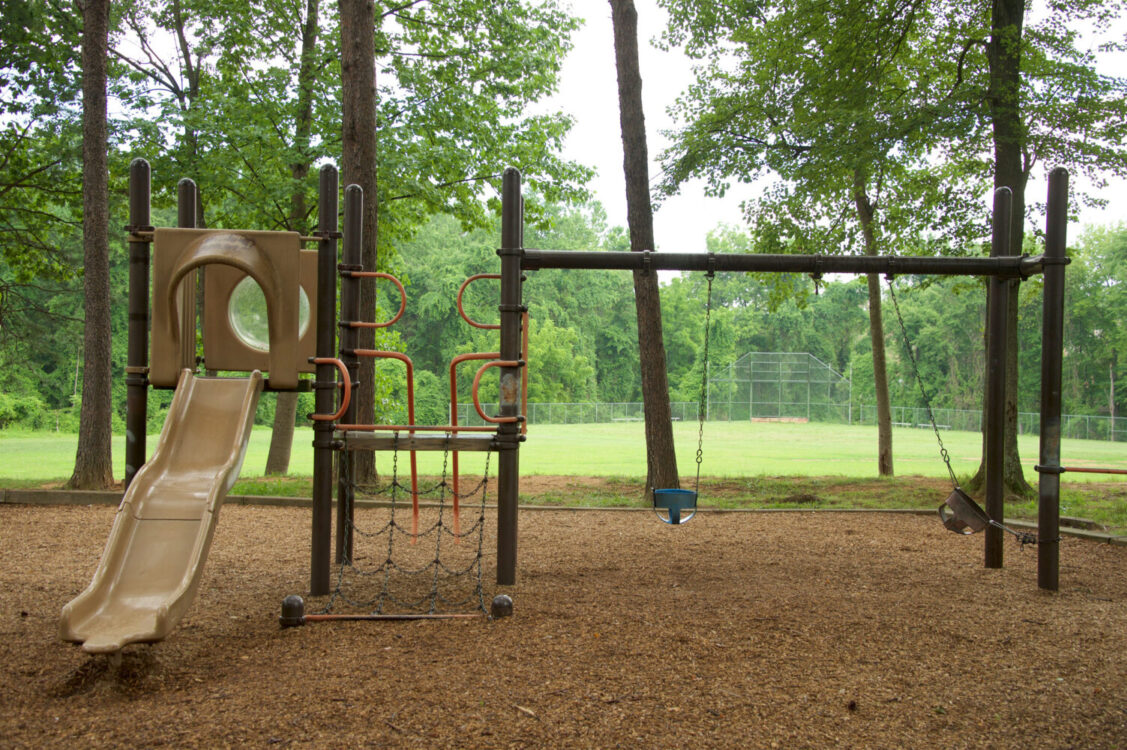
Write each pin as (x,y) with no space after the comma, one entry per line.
(735,630)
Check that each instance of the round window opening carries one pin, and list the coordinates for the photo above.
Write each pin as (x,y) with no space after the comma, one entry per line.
(246,312)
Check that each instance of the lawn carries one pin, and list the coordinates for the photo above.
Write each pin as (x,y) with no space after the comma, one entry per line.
(760,465)
(731,449)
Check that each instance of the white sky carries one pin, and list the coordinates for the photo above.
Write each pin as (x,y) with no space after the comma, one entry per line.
(589,92)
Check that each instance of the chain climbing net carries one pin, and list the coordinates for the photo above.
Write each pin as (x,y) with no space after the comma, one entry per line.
(431,566)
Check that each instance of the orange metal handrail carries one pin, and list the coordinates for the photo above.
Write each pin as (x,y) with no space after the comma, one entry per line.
(477,382)
(345,399)
(454,402)
(377,354)
(454,421)
(1091,470)
(402,297)
(462,312)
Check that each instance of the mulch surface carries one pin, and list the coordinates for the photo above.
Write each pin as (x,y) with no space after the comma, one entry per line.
(735,630)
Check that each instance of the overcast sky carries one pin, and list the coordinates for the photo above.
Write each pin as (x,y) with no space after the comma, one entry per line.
(589,92)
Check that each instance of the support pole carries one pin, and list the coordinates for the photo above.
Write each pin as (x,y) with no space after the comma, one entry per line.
(325,388)
(349,342)
(996,381)
(1052,347)
(137,357)
(508,434)
(187,197)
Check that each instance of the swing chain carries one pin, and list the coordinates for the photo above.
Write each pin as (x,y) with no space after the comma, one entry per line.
(702,404)
(919,381)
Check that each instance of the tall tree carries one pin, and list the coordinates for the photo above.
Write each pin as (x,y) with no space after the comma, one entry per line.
(833,101)
(285,413)
(93,467)
(1046,104)
(885,107)
(359,163)
(661,459)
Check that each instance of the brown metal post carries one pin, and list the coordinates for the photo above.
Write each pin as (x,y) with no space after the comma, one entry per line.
(996,380)
(187,196)
(508,434)
(1052,347)
(137,357)
(349,341)
(325,384)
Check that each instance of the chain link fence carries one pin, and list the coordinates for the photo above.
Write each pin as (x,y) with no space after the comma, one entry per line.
(794,387)
(783,386)
(1080,426)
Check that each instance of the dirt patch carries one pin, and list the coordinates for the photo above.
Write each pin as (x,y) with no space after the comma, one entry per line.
(801,498)
(735,630)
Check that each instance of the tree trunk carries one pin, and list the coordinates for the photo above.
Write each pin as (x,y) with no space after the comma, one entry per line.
(661,461)
(1011,169)
(876,331)
(358,148)
(93,464)
(1111,395)
(285,413)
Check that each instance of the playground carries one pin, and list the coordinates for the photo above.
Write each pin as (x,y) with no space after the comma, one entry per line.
(739,629)
(735,630)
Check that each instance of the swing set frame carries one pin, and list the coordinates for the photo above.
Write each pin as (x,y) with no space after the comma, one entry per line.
(1001,268)
(507,430)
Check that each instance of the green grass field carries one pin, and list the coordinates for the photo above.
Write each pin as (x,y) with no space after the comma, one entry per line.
(761,465)
(731,449)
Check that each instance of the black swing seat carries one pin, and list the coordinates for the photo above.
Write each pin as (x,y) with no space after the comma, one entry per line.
(674,503)
(966,516)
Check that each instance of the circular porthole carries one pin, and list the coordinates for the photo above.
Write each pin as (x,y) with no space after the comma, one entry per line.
(246,312)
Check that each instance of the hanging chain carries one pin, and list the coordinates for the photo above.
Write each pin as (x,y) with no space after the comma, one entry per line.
(919,380)
(702,402)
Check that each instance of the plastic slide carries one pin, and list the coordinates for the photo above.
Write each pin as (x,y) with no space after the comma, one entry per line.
(154,558)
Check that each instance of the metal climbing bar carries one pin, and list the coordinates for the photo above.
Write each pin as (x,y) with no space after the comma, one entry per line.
(346,382)
(461,310)
(504,397)
(378,354)
(350,274)
(456,473)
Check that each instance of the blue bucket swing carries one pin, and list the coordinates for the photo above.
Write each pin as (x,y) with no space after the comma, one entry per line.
(671,505)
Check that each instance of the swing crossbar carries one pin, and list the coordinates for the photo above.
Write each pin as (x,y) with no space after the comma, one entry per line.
(369,441)
(1001,266)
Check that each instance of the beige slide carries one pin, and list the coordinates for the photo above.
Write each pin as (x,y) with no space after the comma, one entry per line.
(154,558)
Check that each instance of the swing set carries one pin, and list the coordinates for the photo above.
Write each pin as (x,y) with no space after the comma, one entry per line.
(506,429)
(337,432)
(676,506)
(214,414)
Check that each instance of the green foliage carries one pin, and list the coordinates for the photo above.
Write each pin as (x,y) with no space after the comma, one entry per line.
(21,411)
(837,104)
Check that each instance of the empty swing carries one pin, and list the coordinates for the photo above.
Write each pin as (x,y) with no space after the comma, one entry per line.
(959,512)
(671,504)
